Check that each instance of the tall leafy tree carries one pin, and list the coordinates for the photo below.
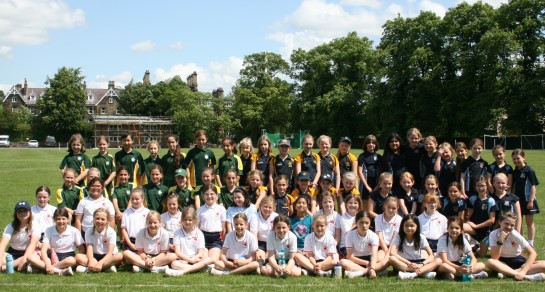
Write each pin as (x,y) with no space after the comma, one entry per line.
(334,86)
(62,108)
(262,96)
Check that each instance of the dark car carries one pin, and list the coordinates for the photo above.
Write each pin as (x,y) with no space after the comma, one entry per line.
(50,141)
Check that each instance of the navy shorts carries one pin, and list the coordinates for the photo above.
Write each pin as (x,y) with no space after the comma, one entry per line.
(126,246)
(419,261)
(433,244)
(62,255)
(16,253)
(262,245)
(525,211)
(481,234)
(514,263)
(212,240)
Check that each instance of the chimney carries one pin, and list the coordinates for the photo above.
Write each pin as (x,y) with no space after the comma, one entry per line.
(192,81)
(84,86)
(26,88)
(111,84)
(218,93)
(146,80)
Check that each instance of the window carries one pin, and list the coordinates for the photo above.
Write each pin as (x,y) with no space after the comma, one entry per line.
(117,111)
(111,100)
(90,96)
(113,138)
(32,96)
(90,110)
(152,127)
(115,127)
(14,99)
(103,111)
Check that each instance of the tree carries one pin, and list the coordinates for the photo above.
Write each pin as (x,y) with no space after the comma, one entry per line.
(62,108)
(334,83)
(262,96)
(23,126)
(137,99)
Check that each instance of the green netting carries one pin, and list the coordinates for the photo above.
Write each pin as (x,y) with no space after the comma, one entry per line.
(295,138)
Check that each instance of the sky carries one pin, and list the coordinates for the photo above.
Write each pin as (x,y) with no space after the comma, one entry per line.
(119,40)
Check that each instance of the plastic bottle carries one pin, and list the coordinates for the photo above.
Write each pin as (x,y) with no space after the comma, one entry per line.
(9,264)
(338,271)
(467,263)
(281,259)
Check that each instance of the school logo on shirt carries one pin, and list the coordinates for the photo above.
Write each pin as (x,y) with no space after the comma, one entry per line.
(79,158)
(369,244)
(245,244)
(158,243)
(332,222)
(206,156)
(484,207)
(455,208)
(513,243)
(195,238)
(133,160)
(438,222)
(506,203)
(522,175)
(105,242)
(107,162)
(103,204)
(159,192)
(128,192)
(325,248)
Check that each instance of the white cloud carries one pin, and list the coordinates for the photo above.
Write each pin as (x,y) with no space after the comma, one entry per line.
(5,53)
(438,9)
(369,3)
(144,46)
(27,22)
(5,87)
(120,79)
(493,3)
(217,74)
(177,46)
(316,21)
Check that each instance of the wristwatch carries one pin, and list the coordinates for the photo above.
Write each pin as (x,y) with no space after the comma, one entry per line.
(499,242)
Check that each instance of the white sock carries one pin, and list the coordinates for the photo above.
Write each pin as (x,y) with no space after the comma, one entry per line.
(57,270)
(531,242)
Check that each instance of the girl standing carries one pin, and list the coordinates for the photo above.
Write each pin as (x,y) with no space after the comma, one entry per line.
(261,159)
(101,248)
(281,243)
(42,213)
(207,178)
(453,205)
(241,204)
(452,247)
(86,208)
(70,194)
(473,168)
(499,166)
(524,187)
(368,166)
(506,202)
(229,161)
(171,218)
(308,161)
(461,156)
(199,158)
(406,252)
(445,167)
(153,159)
(378,197)
(506,257)
(21,237)
(481,211)
(121,194)
(430,156)
(104,161)
(188,246)
(151,247)
(393,160)
(172,160)
(406,194)
(282,200)
(413,153)
(132,159)
(246,149)
(76,159)
(387,225)
(226,191)
(329,164)
(63,239)
(327,208)
(347,161)
(238,255)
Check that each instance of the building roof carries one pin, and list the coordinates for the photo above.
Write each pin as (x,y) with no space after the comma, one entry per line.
(32,95)
(127,120)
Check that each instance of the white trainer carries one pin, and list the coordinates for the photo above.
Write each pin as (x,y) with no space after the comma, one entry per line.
(68,272)
(137,269)
(407,275)
(539,277)
(82,269)
(429,275)
(173,272)
(217,272)
(325,273)
(158,269)
(111,269)
(479,275)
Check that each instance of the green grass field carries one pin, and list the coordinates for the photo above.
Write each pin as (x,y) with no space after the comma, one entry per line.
(23,170)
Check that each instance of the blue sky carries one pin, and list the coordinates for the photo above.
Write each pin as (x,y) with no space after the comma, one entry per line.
(119,40)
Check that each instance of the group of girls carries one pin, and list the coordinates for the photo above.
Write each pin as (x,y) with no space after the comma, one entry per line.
(319,210)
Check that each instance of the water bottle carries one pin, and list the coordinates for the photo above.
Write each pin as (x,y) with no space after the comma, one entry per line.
(338,271)
(281,258)
(9,264)
(467,263)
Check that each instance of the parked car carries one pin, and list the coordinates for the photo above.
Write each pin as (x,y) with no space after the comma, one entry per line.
(50,141)
(33,144)
(4,140)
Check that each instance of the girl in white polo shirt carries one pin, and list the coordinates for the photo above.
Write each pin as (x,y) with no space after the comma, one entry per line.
(188,246)
(101,248)
(238,255)
(320,254)
(171,219)
(42,213)
(452,248)
(86,207)
(506,257)
(261,224)
(387,225)
(327,207)
(151,246)
(406,251)
(281,242)
(21,236)
(361,249)
(212,220)
(60,240)
(134,218)
(432,223)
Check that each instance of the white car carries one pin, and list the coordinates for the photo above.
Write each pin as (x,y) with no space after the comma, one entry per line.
(32,144)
